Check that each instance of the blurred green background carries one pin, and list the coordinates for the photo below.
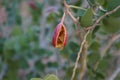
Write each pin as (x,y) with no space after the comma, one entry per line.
(26,30)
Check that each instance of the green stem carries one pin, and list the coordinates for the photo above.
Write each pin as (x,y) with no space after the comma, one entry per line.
(72,6)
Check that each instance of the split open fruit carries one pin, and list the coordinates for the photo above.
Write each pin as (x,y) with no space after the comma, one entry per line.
(60,36)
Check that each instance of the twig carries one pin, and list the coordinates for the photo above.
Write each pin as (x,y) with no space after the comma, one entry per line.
(72,6)
(76,21)
(63,17)
(83,61)
(100,18)
(69,13)
(115,73)
(84,39)
(114,38)
(78,56)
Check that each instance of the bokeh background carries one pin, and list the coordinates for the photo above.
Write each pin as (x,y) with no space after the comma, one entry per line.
(26,30)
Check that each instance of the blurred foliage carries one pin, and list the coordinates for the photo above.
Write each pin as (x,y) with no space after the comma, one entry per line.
(26,52)
(48,77)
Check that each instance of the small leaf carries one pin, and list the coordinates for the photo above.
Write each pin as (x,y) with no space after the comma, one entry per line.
(89,38)
(23,63)
(52,64)
(16,31)
(111,24)
(42,52)
(18,20)
(95,46)
(87,18)
(100,75)
(74,47)
(36,79)
(93,57)
(94,31)
(39,66)
(111,4)
(51,77)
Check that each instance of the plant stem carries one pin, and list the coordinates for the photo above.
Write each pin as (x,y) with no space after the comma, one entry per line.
(69,13)
(76,7)
(106,48)
(100,18)
(83,61)
(79,53)
(63,17)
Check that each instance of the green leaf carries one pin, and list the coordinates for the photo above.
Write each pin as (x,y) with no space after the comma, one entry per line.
(99,75)
(104,64)
(95,46)
(42,52)
(2,40)
(52,64)
(31,75)
(51,77)
(87,18)
(9,48)
(31,33)
(12,73)
(39,66)
(74,47)
(23,41)
(117,44)
(93,57)
(94,31)
(111,24)
(18,20)
(23,63)
(89,38)
(111,4)
(16,31)
(36,79)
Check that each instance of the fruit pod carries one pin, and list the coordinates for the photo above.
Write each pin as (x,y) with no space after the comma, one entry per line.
(60,36)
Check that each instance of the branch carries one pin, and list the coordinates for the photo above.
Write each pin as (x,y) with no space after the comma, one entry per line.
(83,61)
(100,18)
(69,13)
(76,21)
(110,42)
(63,17)
(115,73)
(78,56)
(76,7)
